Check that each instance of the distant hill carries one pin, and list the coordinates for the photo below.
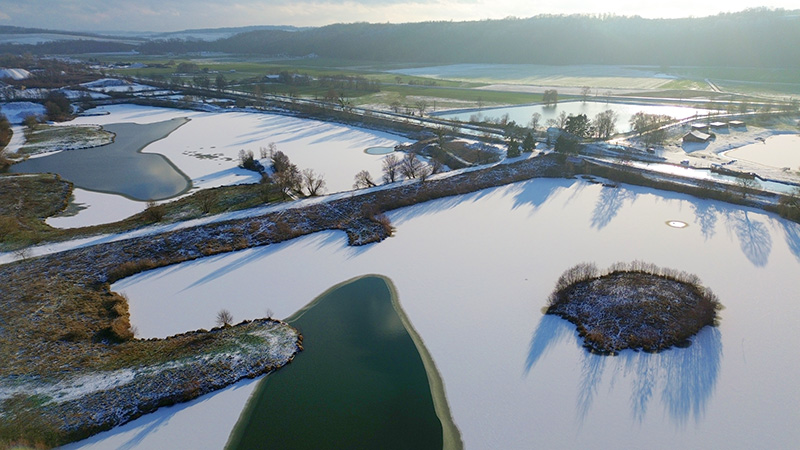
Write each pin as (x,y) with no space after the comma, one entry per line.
(757,38)
(762,38)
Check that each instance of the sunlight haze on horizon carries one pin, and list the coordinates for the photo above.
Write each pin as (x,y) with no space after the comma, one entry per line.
(177,15)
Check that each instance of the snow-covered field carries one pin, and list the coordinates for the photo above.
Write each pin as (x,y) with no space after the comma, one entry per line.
(16,112)
(473,273)
(575,76)
(767,161)
(776,151)
(206,149)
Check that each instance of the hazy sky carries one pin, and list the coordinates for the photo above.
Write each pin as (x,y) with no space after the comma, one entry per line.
(174,15)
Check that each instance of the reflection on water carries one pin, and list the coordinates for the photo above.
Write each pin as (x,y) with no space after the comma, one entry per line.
(685,377)
(522,114)
(119,167)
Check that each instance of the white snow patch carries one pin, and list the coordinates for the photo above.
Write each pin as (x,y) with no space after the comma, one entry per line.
(487,261)
(97,208)
(16,112)
(14,74)
(210,418)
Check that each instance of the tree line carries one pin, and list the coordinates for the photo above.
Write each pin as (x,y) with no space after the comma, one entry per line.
(757,37)
(752,38)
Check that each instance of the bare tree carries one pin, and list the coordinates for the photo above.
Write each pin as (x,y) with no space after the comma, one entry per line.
(289,180)
(280,162)
(390,169)
(154,212)
(411,167)
(561,120)
(534,123)
(605,124)
(363,180)
(585,91)
(550,97)
(746,186)
(436,166)
(313,183)
(421,105)
(206,199)
(224,318)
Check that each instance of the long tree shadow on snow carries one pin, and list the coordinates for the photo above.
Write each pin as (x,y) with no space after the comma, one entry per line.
(686,377)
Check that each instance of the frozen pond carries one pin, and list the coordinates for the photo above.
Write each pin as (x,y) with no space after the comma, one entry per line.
(207,148)
(119,167)
(776,151)
(522,114)
(473,273)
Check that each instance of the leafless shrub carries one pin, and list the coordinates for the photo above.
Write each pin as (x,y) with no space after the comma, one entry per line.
(224,318)
(385,222)
(129,268)
(576,274)
(391,169)
(313,183)
(154,211)
(363,180)
(206,199)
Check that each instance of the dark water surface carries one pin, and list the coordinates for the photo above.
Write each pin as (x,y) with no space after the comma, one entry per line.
(119,167)
(360,383)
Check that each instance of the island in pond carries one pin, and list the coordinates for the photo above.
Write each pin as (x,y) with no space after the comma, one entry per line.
(636,305)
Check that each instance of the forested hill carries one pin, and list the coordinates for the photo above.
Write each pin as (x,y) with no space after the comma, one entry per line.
(751,38)
(760,38)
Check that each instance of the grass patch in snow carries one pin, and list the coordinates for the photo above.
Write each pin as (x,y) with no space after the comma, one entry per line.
(47,138)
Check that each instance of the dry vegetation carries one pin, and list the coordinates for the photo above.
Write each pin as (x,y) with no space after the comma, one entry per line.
(60,320)
(636,305)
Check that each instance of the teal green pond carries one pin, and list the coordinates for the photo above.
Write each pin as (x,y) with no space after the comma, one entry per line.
(360,381)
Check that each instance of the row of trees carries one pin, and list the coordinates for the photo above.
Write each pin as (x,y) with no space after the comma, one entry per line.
(602,126)
(286,176)
(394,169)
(650,127)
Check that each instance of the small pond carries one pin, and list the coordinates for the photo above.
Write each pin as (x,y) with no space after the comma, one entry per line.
(379,150)
(522,114)
(360,370)
(119,167)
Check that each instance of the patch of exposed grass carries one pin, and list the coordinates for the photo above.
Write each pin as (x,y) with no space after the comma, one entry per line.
(48,138)
(26,200)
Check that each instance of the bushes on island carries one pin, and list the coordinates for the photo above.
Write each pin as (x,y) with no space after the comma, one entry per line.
(634,305)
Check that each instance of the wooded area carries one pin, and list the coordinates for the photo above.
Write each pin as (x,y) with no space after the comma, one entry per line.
(752,38)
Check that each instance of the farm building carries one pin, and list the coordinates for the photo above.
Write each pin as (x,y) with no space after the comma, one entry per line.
(736,124)
(696,136)
(718,125)
(702,127)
